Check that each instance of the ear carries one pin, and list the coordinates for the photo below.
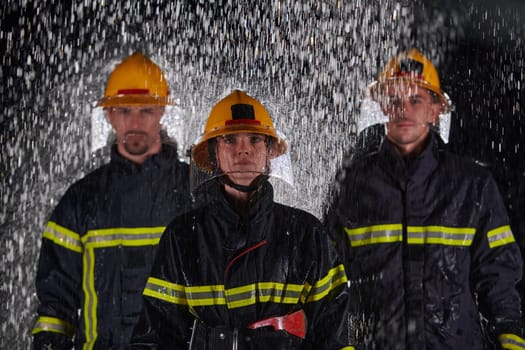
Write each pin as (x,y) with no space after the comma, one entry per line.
(435,111)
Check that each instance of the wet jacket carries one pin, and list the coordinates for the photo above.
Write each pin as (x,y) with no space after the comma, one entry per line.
(425,241)
(98,248)
(216,273)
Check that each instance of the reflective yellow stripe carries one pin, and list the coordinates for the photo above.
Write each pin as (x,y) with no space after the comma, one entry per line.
(52,324)
(106,238)
(500,236)
(375,234)
(391,233)
(179,294)
(123,236)
(90,299)
(63,237)
(348,348)
(261,292)
(335,277)
(511,342)
(456,236)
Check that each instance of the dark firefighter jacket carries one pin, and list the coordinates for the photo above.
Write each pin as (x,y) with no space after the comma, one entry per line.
(98,248)
(216,273)
(427,242)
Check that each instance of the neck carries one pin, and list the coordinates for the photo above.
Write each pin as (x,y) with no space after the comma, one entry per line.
(410,150)
(238,196)
(239,200)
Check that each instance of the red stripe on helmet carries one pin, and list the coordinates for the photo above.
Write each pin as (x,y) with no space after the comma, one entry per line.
(410,74)
(243,121)
(133,92)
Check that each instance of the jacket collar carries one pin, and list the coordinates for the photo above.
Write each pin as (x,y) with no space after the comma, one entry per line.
(213,194)
(165,157)
(418,169)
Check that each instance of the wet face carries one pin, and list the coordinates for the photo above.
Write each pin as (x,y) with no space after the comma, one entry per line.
(137,130)
(242,157)
(410,109)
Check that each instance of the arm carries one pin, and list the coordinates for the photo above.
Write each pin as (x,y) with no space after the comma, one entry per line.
(58,280)
(326,304)
(496,269)
(165,321)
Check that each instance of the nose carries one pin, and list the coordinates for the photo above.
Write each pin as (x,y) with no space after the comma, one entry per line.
(243,146)
(134,118)
(398,110)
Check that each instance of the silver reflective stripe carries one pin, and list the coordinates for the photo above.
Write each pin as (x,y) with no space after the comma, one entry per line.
(500,236)
(235,340)
(374,234)
(454,236)
(193,334)
(53,324)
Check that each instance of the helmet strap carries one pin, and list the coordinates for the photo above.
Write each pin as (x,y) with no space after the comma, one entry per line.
(256,183)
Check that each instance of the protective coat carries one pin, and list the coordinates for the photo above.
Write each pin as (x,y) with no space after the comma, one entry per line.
(428,240)
(98,248)
(217,272)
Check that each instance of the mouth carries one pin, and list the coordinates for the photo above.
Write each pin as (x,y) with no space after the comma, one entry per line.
(134,135)
(402,123)
(244,163)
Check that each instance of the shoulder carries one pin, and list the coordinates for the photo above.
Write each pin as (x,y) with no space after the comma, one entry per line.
(296,215)
(91,180)
(464,166)
(187,223)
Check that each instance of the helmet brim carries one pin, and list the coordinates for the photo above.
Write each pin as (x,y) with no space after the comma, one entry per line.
(376,87)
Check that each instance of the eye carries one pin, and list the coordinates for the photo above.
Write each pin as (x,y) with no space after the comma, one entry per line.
(254,139)
(415,100)
(121,110)
(147,111)
(391,102)
(228,139)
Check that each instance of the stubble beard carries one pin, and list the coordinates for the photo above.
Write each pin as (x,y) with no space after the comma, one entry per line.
(136,147)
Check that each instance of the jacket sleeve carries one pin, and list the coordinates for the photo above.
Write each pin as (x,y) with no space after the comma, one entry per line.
(327,303)
(165,321)
(496,269)
(58,280)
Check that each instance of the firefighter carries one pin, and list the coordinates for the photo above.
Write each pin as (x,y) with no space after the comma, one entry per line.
(100,241)
(430,251)
(243,272)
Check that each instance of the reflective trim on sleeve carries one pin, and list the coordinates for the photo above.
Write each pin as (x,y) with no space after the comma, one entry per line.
(455,236)
(500,236)
(511,342)
(375,234)
(123,236)
(53,324)
(348,348)
(63,237)
(335,277)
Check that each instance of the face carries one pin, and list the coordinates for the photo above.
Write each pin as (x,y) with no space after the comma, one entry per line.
(410,109)
(137,130)
(242,157)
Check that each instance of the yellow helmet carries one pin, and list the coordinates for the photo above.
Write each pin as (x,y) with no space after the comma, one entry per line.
(236,113)
(414,67)
(136,81)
